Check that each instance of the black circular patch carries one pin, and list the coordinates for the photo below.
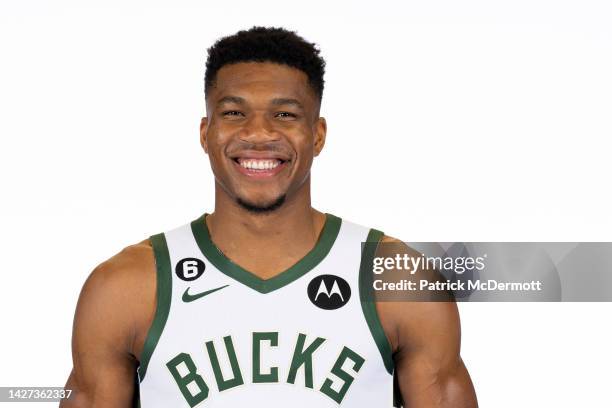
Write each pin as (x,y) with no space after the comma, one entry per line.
(329,292)
(189,269)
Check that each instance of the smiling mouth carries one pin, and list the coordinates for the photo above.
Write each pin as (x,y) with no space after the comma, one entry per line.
(265,167)
(259,164)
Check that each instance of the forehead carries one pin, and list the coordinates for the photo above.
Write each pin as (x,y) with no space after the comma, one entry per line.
(261,80)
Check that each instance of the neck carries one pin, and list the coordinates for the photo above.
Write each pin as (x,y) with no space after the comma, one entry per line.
(284,235)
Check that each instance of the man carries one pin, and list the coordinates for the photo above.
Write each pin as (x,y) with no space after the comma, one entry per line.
(263,301)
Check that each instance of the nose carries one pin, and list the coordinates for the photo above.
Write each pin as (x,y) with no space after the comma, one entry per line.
(258,128)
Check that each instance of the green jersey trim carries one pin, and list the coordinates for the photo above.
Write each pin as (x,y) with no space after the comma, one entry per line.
(368,304)
(326,240)
(164,295)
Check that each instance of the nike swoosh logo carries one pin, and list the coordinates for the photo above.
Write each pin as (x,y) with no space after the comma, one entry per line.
(190,298)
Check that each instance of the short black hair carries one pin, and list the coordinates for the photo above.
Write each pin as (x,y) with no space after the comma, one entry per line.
(267,44)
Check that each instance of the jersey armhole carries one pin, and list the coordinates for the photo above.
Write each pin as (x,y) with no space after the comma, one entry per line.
(163,296)
(368,304)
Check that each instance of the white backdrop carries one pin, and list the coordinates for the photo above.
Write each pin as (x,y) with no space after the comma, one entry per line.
(448,121)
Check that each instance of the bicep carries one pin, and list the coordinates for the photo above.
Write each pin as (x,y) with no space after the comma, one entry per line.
(430,370)
(103,368)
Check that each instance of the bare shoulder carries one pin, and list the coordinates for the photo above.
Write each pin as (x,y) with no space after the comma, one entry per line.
(113,313)
(133,261)
(387,238)
(124,276)
(122,291)
(408,322)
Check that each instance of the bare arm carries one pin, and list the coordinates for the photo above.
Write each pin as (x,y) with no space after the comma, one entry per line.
(114,311)
(430,371)
(426,338)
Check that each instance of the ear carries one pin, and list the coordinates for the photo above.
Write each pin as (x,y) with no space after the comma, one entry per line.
(320,133)
(203,130)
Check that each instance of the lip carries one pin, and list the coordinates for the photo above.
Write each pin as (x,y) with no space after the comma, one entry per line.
(260,174)
(246,154)
(259,155)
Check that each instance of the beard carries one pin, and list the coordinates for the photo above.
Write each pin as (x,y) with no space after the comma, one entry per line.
(262,208)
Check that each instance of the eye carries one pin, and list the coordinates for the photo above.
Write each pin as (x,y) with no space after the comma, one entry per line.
(285,115)
(232,113)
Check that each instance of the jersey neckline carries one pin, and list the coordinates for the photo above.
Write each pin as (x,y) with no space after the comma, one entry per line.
(326,240)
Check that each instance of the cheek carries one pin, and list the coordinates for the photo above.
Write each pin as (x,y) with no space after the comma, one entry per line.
(215,154)
(305,154)
(217,140)
(301,138)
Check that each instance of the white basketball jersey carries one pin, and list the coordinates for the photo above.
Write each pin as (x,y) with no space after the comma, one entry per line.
(222,337)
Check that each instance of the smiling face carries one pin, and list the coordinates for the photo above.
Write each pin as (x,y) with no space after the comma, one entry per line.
(261,133)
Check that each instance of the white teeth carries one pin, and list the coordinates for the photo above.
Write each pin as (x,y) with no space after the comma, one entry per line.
(252,164)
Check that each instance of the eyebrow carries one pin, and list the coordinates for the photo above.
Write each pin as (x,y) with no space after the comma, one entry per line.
(276,101)
(231,99)
(287,101)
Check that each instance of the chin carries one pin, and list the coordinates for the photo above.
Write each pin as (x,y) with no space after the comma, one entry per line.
(261,206)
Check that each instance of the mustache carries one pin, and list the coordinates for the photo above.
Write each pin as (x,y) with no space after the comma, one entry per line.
(273,147)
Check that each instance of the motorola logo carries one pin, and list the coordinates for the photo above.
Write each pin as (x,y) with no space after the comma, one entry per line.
(329,292)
